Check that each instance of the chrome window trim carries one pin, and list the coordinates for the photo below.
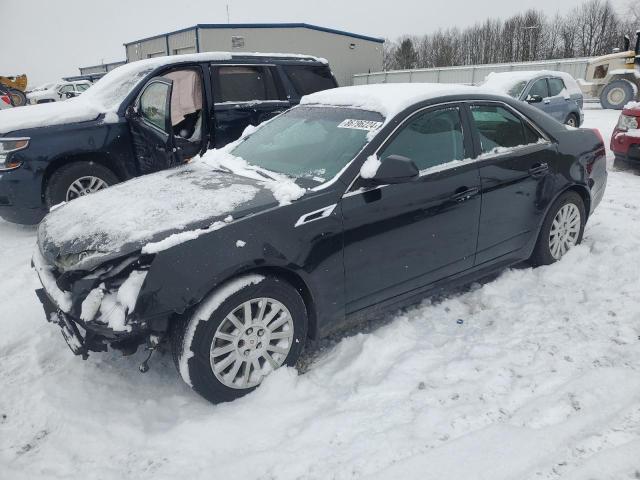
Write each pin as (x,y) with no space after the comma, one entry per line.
(469,102)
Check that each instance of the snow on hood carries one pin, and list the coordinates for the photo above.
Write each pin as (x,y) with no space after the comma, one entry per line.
(125,217)
(388,99)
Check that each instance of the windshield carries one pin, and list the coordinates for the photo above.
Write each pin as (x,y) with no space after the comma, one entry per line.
(516,90)
(309,142)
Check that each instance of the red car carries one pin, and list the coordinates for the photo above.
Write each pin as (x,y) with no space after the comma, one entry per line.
(625,141)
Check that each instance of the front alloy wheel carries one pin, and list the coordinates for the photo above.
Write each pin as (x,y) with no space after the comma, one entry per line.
(244,330)
(251,342)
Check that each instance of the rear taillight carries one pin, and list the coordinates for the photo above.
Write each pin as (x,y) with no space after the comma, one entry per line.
(5,99)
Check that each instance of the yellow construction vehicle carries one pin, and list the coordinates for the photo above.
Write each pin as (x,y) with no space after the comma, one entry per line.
(615,78)
(17,86)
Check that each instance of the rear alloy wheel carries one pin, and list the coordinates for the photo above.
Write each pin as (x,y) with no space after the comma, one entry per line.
(242,332)
(75,180)
(562,229)
(18,98)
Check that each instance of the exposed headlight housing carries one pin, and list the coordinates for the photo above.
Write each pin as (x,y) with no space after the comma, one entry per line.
(9,146)
(627,122)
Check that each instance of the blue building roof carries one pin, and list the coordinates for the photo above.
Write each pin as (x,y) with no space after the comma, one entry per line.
(205,26)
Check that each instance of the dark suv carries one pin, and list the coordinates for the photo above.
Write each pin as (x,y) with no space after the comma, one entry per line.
(140,118)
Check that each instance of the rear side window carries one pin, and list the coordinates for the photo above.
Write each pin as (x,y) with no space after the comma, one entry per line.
(499,128)
(244,84)
(556,86)
(539,88)
(309,79)
(430,139)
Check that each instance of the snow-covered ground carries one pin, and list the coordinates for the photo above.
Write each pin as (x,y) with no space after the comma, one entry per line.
(534,375)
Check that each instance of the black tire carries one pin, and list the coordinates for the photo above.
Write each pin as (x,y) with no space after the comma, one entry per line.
(542,252)
(192,339)
(18,98)
(617,94)
(62,179)
(572,120)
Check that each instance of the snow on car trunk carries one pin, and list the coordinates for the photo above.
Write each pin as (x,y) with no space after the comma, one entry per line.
(531,375)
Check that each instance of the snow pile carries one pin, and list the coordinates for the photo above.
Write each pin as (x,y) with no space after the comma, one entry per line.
(370,167)
(138,210)
(503,82)
(386,99)
(632,105)
(533,375)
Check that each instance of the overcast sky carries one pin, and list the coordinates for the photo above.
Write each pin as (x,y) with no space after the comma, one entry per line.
(52,38)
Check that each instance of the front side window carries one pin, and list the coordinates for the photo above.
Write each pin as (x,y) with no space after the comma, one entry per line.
(309,79)
(153,104)
(499,128)
(556,86)
(81,87)
(430,139)
(244,84)
(66,89)
(309,142)
(539,88)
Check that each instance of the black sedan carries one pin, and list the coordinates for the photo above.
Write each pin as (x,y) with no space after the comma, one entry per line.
(361,199)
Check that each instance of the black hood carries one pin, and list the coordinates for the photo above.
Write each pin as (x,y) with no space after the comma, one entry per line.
(122,219)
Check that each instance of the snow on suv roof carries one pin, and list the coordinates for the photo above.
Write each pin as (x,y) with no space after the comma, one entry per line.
(389,99)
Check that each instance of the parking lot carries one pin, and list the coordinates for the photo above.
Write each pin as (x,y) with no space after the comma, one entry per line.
(531,375)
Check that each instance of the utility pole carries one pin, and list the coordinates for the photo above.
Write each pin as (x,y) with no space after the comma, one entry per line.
(228,17)
(531,29)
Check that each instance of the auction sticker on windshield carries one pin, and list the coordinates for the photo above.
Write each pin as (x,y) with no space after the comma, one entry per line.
(367,125)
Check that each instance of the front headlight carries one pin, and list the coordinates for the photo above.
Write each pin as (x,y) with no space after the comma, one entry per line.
(627,122)
(8,146)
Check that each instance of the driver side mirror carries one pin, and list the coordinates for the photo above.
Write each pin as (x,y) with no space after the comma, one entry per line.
(396,169)
(130,112)
(534,99)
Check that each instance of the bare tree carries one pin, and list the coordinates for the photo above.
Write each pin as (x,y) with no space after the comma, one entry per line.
(593,28)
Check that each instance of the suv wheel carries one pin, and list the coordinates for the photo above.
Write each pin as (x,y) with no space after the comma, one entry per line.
(617,94)
(562,229)
(243,331)
(572,120)
(75,180)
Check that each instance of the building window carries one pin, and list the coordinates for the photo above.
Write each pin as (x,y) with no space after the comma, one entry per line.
(237,42)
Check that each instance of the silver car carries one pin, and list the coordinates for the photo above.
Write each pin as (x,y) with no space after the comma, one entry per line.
(555,93)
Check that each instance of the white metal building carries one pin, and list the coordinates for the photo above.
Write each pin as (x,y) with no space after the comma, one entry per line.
(347,53)
(470,74)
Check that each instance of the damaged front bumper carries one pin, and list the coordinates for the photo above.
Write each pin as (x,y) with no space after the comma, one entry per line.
(93,329)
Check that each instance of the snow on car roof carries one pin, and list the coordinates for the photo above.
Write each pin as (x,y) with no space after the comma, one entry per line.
(502,82)
(389,99)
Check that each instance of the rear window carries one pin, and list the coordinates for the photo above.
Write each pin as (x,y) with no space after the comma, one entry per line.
(309,79)
(556,86)
(245,84)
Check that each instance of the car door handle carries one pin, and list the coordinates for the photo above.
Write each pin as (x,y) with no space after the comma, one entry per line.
(463,194)
(539,169)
